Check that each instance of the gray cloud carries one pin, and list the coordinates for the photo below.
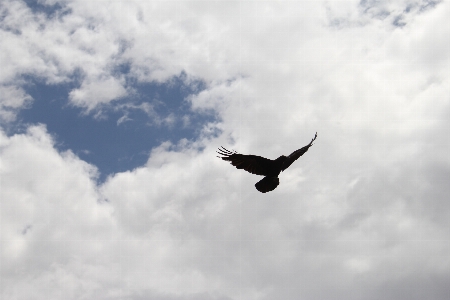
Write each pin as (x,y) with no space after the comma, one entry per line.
(363,215)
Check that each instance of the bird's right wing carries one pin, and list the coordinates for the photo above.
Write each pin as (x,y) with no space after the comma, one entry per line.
(251,163)
(296,154)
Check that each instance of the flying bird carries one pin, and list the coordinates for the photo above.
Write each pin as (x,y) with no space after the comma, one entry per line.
(263,166)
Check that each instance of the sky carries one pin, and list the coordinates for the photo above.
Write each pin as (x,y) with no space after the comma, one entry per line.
(111,113)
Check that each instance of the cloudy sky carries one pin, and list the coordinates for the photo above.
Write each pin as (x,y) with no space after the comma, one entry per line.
(111,113)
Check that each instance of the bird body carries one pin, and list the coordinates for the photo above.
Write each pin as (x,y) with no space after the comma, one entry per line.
(263,166)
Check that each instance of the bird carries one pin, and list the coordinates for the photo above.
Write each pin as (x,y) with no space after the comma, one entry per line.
(259,165)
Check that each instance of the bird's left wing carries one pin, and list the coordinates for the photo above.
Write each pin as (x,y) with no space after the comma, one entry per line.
(296,154)
(251,163)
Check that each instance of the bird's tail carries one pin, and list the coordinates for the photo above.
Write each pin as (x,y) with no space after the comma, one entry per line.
(267,184)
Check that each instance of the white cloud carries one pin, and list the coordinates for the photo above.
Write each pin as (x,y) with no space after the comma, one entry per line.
(94,93)
(363,215)
(12,98)
(51,217)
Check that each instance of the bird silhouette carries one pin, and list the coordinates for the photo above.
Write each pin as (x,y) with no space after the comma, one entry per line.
(263,166)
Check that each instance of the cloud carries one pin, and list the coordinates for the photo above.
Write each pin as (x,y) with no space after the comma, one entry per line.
(12,98)
(92,94)
(363,215)
(50,214)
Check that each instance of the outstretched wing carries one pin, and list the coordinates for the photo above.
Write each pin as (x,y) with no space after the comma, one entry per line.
(251,163)
(296,154)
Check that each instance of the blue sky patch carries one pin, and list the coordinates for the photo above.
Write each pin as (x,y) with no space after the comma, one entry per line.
(120,135)
(50,10)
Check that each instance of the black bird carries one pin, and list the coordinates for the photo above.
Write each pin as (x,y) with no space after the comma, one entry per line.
(262,166)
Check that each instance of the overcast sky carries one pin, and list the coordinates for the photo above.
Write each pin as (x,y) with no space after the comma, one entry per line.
(111,113)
